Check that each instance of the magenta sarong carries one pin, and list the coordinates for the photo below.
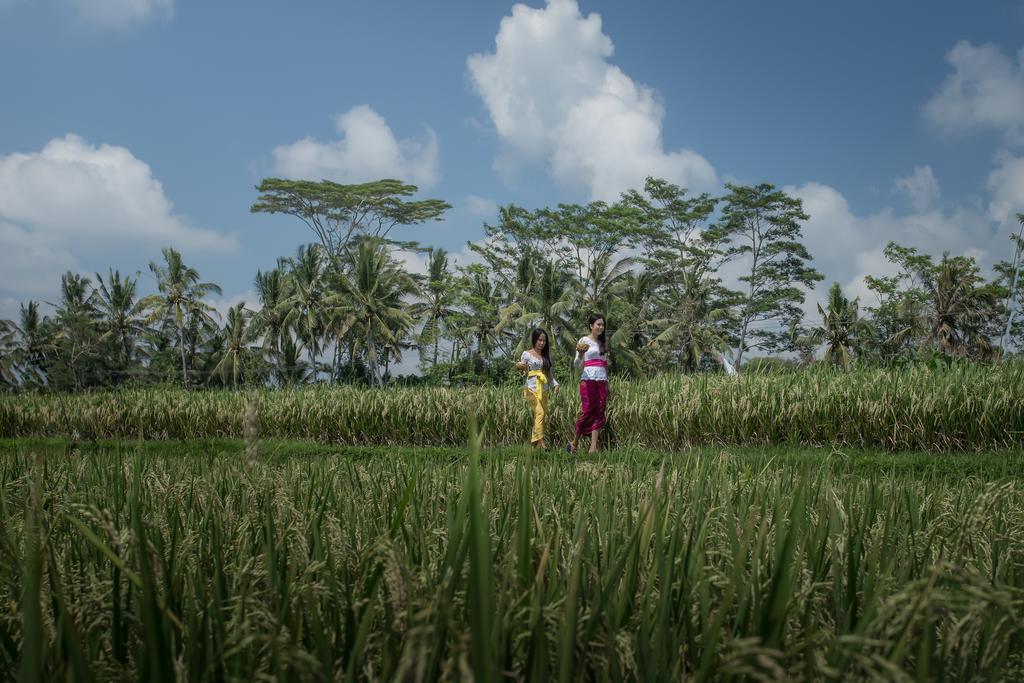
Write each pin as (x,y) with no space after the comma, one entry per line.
(594,395)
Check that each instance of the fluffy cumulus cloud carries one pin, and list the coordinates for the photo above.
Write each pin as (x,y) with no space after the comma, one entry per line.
(847,246)
(366,150)
(1006,187)
(921,188)
(121,14)
(72,197)
(553,97)
(985,91)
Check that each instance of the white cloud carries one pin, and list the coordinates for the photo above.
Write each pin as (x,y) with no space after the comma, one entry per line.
(221,304)
(367,150)
(74,190)
(418,263)
(30,265)
(847,246)
(985,91)
(921,188)
(72,197)
(121,14)
(480,207)
(553,97)
(1006,185)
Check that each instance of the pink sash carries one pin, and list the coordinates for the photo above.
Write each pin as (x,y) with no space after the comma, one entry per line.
(595,363)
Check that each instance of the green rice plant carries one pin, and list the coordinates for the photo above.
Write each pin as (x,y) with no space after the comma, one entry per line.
(963,408)
(264,560)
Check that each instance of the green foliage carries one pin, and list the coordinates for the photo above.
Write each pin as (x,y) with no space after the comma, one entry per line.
(339,213)
(763,228)
(264,561)
(954,406)
(346,308)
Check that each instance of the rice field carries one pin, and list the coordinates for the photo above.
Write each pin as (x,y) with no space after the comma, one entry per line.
(963,408)
(275,560)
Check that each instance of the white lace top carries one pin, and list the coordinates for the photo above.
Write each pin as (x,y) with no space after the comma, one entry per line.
(535,363)
(593,372)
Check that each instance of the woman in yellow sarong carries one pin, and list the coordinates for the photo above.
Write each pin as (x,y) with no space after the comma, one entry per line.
(536,363)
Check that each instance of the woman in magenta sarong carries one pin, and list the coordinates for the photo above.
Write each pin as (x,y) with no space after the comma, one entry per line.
(592,354)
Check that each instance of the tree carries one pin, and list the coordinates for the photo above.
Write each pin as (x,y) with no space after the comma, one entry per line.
(841,330)
(180,302)
(338,213)
(945,306)
(290,368)
(961,306)
(11,357)
(121,316)
(268,323)
(369,300)
(305,301)
(437,305)
(762,224)
(479,322)
(541,297)
(1009,273)
(76,335)
(236,355)
(698,317)
(581,239)
(33,340)
(636,315)
(684,255)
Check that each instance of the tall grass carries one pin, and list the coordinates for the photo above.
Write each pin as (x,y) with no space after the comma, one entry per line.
(962,408)
(205,565)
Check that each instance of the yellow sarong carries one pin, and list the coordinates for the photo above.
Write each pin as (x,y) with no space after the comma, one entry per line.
(538,401)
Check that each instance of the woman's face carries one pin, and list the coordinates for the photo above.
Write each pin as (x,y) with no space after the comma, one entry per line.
(597,327)
(542,341)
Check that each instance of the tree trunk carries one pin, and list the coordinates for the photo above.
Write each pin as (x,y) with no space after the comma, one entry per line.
(184,371)
(337,359)
(371,352)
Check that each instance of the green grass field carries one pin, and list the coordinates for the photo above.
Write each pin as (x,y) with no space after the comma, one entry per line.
(222,559)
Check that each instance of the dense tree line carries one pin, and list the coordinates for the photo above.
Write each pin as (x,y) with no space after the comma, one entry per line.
(344,309)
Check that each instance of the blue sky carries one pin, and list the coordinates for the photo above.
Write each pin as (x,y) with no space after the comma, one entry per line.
(127,125)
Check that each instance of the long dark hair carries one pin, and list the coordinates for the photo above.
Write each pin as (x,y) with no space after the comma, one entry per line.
(545,356)
(602,343)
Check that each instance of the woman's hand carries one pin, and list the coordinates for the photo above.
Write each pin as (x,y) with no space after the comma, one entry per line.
(521,366)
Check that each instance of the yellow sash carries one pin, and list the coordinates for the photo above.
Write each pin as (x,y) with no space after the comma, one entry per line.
(542,379)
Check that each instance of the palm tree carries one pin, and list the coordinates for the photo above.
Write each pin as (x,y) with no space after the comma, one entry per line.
(235,354)
(120,313)
(368,300)
(291,368)
(304,304)
(268,323)
(958,306)
(11,356)
(32,339)
(180,301)
(597,290)
(841,328)
(75,321)
(479,324)
(439,297)
(546,302)
(697,313)
(635,317)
